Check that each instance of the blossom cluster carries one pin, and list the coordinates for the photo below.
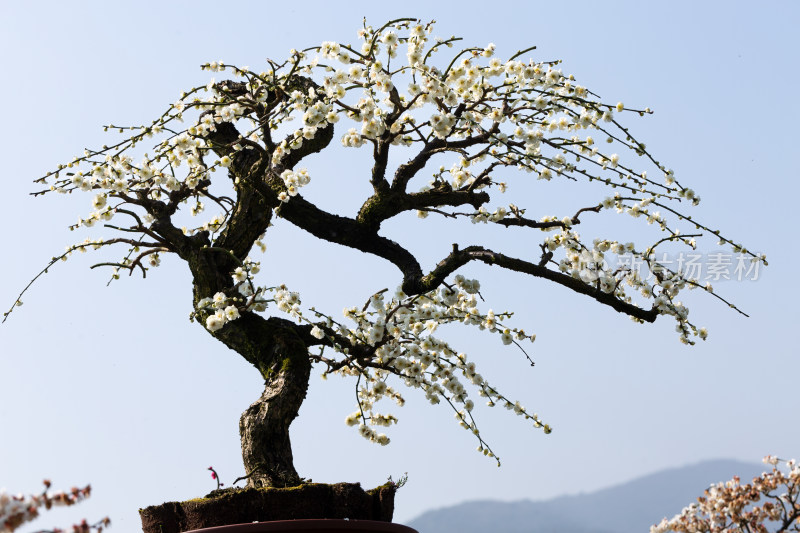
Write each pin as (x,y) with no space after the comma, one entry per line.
(771,502)
(15,510)
(220,308)
(293,181)
(245,296)
(400,332)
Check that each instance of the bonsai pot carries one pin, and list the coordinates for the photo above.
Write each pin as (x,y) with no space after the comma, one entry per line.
(310,526)
(307,507)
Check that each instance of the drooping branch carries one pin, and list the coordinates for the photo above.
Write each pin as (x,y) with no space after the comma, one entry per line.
(458,258)
(350,233)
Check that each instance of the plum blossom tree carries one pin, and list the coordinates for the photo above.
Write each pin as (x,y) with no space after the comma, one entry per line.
(770,503)
(16,510)
(461,122)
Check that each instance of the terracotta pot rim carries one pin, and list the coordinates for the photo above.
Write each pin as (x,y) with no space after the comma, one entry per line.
(332,525)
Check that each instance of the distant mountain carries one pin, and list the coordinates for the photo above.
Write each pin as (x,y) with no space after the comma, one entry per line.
(627,508)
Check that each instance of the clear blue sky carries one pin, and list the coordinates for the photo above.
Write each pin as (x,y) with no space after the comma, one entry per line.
(114,387)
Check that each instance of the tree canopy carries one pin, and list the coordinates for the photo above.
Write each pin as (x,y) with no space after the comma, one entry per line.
(206,180)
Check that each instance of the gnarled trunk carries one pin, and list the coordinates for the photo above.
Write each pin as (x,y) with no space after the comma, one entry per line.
(264,426)
(278,348)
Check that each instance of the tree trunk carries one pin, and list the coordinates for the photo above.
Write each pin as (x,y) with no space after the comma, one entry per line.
(264,426)
(278,348)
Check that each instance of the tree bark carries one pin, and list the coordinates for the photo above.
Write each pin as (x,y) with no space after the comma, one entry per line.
(264,426)
(278,348)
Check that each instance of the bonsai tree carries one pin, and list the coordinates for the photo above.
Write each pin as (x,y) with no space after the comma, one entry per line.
(464,125)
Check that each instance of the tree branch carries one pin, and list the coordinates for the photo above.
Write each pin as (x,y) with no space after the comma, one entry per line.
(384,206)
(408,170)
(348,232)
(519,220)
(458,258)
